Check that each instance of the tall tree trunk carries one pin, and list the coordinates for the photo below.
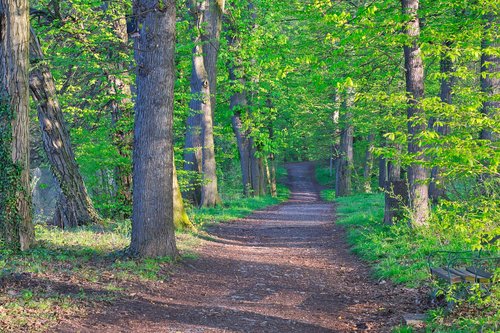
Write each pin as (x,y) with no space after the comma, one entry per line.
(244,151)
(417,173)
(367,172)
(436,186)
(238,103)
(152,214)
(212,22)
(251,166)
(490,69)
(193,143)
(16,227)
(201,104)
(121,111)
(345,163)
(74,207)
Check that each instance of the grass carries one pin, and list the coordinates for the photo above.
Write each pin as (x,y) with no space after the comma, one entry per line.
(399,253)
(69,271)
(236,208)
(324,179)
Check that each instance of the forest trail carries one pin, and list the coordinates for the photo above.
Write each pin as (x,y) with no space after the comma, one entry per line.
(283,269)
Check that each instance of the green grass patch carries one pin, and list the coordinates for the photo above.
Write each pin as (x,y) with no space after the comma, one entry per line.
(328,195)
(399,253)
(93,257)
(396,251)
(237,208)
(323,176)
(327,181)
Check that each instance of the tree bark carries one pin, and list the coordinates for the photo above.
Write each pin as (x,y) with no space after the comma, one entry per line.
(345,163)
(367,171)
(396,190)
(382,172)
(414,72)
(74,207)
(238,101)
(152,214)
(193,143)
(436,186)
(212,22)
(16,227)
(251,166)
(201,105)
(272,178)
(121,109)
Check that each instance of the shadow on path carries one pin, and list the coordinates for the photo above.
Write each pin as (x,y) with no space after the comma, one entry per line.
(284,269)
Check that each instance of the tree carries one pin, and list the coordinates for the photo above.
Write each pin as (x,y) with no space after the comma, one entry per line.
(414,72)
(16,228)
(199,135)
(251,165)
(152,213)
(74,207)
(436,186)
(345,162)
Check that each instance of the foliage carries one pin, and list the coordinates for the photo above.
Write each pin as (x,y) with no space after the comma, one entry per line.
(400,254)
(10,178)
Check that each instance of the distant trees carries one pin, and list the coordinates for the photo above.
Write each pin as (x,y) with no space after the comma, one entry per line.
(152,214)
(290,81)
(16,229)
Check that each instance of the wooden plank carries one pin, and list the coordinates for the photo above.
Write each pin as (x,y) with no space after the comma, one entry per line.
(482,275)
(464,274)
(445,275)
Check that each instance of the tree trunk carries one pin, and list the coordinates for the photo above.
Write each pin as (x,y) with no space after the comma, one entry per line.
(193,143)
(212,23)
(181,219)
(16,227)
(490,69)
(152,214)
(238,104)
(201,104)
(436,186)
(343,182)
(396,191)
(121,109)
(382,172)
(417,173)
(252,179)
(272,177)
(367,172)
(74,207)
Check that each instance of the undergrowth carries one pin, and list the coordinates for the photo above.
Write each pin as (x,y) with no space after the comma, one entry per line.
(326,179)
(399,253)
(70,270)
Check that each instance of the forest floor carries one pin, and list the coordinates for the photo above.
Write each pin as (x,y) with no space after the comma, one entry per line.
(284,269)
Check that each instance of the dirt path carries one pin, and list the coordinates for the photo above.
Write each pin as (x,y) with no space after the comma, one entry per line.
(285,269)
